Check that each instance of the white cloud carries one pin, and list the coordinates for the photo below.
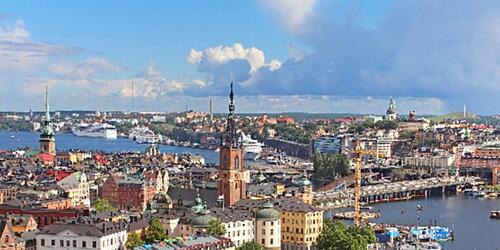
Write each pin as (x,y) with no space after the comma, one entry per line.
(294,14)
(85,68)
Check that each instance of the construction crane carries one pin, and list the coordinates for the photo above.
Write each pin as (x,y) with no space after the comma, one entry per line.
(358,154)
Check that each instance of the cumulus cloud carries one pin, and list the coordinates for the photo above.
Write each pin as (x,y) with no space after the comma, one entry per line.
(422,48)
(222,64)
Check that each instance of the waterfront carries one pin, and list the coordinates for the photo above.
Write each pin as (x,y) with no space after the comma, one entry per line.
(469,217)
(66,141)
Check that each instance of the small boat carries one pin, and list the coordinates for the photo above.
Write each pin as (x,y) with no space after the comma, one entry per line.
(495,214)
(478,194)
(420,208)
(12,137)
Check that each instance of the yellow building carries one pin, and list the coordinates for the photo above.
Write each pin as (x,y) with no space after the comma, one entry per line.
(301,225)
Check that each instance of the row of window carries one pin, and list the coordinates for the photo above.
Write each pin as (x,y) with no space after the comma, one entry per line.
(271,241)
(70,243)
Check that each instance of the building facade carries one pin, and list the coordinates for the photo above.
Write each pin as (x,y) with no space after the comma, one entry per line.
(77,188)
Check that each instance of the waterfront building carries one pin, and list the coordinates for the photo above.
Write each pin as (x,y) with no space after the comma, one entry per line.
(327,144)
(92,235)
(47,135)
(231,185)
(77,188)
(268,227)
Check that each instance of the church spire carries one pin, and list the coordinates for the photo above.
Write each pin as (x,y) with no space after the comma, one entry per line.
(230,129)
(47,111)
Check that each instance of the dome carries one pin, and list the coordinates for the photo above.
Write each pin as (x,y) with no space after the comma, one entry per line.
(202,221)
(303,181)
(268,212)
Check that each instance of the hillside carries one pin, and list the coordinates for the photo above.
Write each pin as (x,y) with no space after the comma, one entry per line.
(455,116)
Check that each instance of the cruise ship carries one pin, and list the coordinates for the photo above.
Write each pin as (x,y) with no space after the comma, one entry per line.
(102,130)
(251,147)
(143,135)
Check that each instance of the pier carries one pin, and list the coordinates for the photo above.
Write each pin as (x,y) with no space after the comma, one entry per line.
(403,190)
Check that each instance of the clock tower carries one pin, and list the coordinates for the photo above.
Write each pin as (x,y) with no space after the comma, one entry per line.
(231,185)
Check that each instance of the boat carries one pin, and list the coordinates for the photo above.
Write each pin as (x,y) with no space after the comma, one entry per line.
(495,214)
(421,246)
(99,130)
(143,135)
(272,159)
(478,194)
(420,208)
(12,137)
(251,147)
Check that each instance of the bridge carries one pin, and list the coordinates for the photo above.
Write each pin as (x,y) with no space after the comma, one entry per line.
(393,191)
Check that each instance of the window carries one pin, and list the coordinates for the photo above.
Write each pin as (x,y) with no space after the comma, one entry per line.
(272,231)
(61,243)
(42,242)
(271,242)
(6,239)
(84,244)
(263,241)
(67,243)
(94,244)
(52,242)
(74,243)
(263,231)
(272,223)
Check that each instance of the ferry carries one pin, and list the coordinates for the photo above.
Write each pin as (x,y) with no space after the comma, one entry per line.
(143,135)
(100,130)
(251,147)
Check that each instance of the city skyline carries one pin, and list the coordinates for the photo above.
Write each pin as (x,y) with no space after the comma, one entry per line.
(284,56)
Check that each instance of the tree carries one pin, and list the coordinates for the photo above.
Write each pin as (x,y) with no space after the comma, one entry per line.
(133,240)
(215,228)
(250,245)
(102,206)
(155,232)
(398,174)
(338,236)
(328,167)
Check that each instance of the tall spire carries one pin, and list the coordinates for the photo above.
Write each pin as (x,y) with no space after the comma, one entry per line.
(47,111)
(230,129)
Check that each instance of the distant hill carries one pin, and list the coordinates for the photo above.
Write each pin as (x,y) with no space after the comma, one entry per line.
(455,116)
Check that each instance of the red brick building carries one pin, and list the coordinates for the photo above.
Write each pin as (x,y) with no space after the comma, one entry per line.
(128,193)
(231,183)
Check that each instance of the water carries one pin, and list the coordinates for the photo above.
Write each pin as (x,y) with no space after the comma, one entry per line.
(65,141)
(469,217)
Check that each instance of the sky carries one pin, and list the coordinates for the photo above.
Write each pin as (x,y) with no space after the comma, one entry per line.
(431,56)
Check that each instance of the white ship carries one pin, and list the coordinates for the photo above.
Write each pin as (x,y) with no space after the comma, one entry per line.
(251,147)
(102,130)
(143,135)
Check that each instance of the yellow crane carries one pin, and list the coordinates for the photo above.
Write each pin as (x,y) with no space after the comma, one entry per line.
(358,154)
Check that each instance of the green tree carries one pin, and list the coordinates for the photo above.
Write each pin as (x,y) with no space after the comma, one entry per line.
(328,167)
(338,236)
(250,245)
(398,174)
(102,206)
(216,228)
(133,240)
(155,232)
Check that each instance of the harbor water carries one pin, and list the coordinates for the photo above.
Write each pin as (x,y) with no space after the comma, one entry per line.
(469,217)
(66,141)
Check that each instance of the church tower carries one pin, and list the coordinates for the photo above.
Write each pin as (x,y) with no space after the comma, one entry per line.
(231,183)
(47,136)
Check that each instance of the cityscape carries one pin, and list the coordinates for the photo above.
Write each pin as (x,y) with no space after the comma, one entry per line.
(315,149)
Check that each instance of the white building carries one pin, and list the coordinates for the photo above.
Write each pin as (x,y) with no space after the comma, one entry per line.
(77,188)
(103,235)
(268,227)
(431,161)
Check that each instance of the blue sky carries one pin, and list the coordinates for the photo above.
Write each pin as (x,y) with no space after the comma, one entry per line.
(285,55)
